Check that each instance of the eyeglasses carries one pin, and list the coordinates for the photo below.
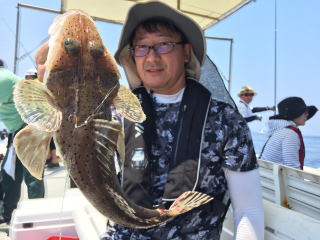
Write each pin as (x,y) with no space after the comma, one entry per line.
(248,94)
(159,48)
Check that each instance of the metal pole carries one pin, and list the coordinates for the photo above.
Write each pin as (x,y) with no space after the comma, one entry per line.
(230,65)
(275,53)
(230,57)
(17,40)
(219,38)
(39,8)
(178,5)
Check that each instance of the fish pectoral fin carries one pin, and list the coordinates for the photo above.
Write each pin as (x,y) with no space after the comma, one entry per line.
(36,105)
(32,147)
(187,201)
(128,105)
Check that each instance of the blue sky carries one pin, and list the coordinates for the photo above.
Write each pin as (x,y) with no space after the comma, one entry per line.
(252,30)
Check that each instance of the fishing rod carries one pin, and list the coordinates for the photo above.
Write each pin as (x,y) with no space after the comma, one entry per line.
(275,54)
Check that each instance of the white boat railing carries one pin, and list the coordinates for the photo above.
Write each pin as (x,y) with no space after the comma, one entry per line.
(291,188)
(291,200)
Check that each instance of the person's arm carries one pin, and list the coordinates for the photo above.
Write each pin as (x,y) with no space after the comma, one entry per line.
(261,109)
(243,179)
(290,149)
(53,153)
(246,200)
(252,118)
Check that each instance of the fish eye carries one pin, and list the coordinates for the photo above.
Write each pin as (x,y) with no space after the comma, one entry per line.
(96,48)
(68,41)
(72,45)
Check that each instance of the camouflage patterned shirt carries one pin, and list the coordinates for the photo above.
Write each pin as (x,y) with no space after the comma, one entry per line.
(227,143)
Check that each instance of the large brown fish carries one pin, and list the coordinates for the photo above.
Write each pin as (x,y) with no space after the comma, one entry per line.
(73,105)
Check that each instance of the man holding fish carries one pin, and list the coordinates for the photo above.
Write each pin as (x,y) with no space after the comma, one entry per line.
(73,102)
(188,141)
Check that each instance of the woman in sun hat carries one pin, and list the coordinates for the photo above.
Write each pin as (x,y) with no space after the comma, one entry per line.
(246,95)
(285,144)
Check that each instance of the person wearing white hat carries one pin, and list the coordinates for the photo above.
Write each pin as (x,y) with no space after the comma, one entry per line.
(189,141)
(31,74)
(246,95)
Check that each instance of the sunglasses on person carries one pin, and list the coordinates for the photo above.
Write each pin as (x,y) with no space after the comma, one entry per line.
(248,94)
(159,48)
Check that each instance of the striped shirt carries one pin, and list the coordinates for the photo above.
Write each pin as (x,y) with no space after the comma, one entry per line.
(283,144)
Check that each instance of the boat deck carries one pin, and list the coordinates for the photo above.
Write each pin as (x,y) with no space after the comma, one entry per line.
(291,198)
(56,182)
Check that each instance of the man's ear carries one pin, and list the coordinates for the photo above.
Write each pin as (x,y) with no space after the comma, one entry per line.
(187,51)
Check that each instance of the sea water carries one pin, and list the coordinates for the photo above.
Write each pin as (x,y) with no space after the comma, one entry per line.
(312,148)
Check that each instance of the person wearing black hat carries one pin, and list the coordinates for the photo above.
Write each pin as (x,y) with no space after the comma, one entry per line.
(285,144)
(189,141)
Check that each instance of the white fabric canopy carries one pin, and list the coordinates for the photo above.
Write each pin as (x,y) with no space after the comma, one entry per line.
(205,12)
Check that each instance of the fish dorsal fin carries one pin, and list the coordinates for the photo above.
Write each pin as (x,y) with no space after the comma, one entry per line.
(32,148)
(36,105)
(128,105)
(106,142)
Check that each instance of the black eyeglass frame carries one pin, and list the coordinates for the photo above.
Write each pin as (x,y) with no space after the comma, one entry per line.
(155,47)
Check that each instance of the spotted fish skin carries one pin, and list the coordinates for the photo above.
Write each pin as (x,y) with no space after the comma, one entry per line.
(80,84)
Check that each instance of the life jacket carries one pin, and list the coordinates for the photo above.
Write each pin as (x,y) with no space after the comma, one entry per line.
(186,158)
(302,148)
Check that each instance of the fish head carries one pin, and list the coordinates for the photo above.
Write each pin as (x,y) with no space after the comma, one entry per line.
(78,65)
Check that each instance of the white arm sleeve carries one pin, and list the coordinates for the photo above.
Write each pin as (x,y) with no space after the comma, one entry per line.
(246,200)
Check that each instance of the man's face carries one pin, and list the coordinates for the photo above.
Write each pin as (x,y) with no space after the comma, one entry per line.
(30,77)
(161,73)
(247,97)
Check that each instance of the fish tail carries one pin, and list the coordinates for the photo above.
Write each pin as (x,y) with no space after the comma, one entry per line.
(187,201)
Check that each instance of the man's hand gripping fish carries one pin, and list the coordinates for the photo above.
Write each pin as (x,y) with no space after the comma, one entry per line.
(73,105)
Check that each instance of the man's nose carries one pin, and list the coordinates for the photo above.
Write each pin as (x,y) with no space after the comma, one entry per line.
(152,54)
